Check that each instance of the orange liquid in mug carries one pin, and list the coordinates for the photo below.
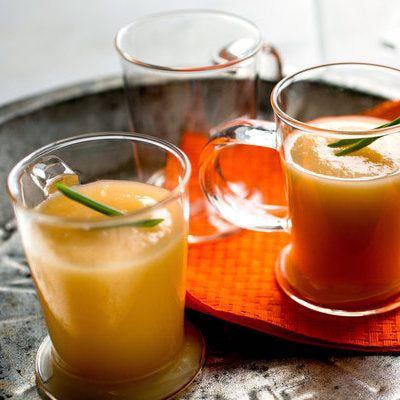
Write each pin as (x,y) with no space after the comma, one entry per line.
(113,298)
(345,214)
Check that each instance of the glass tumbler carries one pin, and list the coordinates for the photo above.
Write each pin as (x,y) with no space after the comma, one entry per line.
(341,167)
(111,287)
(186,72)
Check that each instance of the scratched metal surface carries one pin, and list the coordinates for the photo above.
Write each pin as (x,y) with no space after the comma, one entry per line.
(241,364)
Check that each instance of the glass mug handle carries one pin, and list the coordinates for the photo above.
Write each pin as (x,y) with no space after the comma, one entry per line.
(271,64)
(237,210)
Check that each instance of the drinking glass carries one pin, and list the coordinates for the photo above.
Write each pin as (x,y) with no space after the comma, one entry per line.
(343,210)
(186,72)
(112,288)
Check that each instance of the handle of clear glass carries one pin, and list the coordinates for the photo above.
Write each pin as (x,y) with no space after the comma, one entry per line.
(271,63)
(237,210)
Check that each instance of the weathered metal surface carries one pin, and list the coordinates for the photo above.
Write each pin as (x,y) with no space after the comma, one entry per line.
(241,364)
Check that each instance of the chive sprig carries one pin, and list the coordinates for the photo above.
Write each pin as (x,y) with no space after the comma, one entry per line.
(103,208)
(353,145)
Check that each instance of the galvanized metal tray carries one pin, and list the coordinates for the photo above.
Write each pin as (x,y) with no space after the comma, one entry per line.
(241,364)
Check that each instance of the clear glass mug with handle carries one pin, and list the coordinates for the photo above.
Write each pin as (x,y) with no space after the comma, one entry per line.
(112,288)
(343,204)
(186,72)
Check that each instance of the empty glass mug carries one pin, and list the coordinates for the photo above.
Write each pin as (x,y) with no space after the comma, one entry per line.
(112,288)
(186,72)
(343,202)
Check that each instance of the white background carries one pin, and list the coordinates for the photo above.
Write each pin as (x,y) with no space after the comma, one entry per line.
(45,44)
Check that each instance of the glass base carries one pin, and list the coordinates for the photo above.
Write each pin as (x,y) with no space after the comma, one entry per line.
(208,225)
(57,384)
(377,308)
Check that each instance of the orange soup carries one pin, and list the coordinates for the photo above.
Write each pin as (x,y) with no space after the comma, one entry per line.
(113,298)
(345,215)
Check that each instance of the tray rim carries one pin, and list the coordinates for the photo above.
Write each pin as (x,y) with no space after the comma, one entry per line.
(35,102)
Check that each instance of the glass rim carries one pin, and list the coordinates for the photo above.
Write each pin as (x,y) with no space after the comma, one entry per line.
(14,175)
(303,126)
(122,31)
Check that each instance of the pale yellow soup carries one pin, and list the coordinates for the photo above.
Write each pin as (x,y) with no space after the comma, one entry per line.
(345,215)
(113,298)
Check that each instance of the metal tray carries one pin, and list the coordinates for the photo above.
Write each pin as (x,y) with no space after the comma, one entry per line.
(242,364)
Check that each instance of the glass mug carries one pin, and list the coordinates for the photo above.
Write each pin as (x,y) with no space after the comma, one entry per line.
(186,72)
(343,211)
(112,289)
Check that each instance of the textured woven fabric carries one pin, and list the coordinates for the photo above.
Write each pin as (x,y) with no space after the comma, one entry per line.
(233,278)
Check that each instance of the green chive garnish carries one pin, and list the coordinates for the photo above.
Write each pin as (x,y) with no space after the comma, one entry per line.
(87,201)
(357,144)
(103,208)
(146,223)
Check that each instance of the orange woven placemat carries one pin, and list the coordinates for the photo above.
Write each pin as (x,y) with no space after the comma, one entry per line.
(233,279)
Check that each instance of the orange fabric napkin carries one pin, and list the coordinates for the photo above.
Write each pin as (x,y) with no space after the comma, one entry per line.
(233,278)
